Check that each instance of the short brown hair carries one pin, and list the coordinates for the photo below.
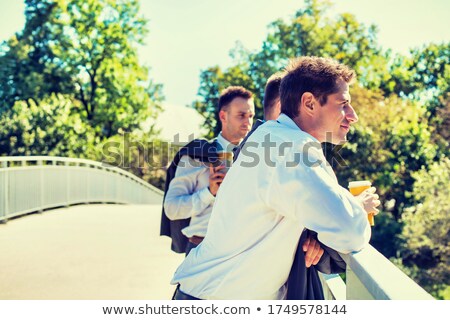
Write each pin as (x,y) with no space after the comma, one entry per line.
(272,92)
(311,74)
(228,94)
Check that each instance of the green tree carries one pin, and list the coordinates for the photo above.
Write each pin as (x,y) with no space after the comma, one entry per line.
(29,70)
(311,32)
(85,50)
(426,253)
(424,76)
(422,72)
(47,128)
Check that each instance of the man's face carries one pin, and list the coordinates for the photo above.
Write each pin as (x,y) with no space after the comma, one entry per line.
(237,119)
(336,116)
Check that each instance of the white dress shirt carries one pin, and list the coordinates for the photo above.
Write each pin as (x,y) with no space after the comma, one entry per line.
(188,195)
(261,210)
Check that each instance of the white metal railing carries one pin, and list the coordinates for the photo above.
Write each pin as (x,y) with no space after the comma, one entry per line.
(29,184)
(370,276)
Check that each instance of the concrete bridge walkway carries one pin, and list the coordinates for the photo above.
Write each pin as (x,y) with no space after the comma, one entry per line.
(87,252)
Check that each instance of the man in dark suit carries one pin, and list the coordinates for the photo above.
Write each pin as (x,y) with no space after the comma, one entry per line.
(193,185)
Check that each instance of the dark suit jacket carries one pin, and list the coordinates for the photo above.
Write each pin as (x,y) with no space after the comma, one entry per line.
(203,151)
(304,283)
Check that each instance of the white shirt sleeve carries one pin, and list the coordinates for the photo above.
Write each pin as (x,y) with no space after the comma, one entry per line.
(182,201)
(310,194)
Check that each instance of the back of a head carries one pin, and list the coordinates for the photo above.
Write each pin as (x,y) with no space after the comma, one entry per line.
(228,94)
(272,93)
(318,76)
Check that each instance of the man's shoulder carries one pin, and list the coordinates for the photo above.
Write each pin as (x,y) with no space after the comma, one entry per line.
(186,159)
(282,132)
(281,141)
(257,123)
(275,131)
(199,145)
(199,149)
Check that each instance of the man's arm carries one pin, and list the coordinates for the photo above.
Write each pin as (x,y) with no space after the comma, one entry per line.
(181,200)
(308,193)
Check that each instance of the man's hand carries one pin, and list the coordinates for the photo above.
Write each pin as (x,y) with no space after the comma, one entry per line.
(369,200)
(215,178)
(313,251)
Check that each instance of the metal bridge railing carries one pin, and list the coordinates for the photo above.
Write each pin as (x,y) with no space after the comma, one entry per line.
(35,183)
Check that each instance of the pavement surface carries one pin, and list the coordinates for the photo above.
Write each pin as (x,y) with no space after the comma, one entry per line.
(84,252)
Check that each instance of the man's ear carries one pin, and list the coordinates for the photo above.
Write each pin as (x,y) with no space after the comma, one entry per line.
(307,103)
(222,115)
(277,109)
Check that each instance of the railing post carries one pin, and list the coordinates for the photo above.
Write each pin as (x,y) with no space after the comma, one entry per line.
(87,186)
(105,183)
(77,187)
(333,286)
(67,168)
(119,188)
(355,288)
(6,186)
(41,178)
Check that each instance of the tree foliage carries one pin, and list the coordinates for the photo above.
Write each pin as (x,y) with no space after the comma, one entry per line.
(424,76)
(85,51)
(46,128)
(426,250)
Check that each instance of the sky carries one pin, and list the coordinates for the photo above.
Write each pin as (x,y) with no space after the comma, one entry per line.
(187,36)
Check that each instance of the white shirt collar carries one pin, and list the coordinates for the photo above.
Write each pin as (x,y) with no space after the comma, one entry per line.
(285,120)
(224,143)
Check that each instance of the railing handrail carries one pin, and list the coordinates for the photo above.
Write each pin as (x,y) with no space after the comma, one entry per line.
(93,163)
(381,278)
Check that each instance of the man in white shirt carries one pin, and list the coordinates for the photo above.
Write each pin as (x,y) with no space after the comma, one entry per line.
(283,186)
(272,110)
(192,191)
(303,282)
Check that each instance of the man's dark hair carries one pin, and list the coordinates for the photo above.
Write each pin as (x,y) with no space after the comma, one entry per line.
(311,74)
(228,94)
(272,92)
